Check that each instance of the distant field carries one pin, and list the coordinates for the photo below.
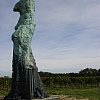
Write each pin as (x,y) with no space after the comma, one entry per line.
(92,93)
(78,87)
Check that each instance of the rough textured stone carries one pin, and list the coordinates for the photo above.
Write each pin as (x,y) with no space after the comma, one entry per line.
(26,82)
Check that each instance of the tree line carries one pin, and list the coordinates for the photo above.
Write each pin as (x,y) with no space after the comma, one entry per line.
(87,78)
(85,73)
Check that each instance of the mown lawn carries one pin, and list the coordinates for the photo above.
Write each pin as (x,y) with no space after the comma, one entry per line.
(92,93)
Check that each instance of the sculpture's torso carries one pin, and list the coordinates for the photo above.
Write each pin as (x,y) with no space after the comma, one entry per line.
(24,31)
(26,20)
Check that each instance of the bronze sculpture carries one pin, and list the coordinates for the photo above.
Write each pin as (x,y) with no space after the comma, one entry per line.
(26,82)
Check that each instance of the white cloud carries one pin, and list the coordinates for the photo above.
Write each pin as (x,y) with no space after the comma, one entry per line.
(67,34)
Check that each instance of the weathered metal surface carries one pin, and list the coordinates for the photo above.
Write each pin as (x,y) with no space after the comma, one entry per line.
(26,82)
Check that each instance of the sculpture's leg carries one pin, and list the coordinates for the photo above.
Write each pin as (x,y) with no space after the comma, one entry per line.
(26,91)
(33,85)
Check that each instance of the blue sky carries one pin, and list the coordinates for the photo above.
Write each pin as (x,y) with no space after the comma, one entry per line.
(66,38)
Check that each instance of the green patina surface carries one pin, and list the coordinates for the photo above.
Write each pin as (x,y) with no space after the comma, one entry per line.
(26,82)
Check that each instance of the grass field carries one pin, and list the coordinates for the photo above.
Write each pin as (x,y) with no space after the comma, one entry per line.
(92,93)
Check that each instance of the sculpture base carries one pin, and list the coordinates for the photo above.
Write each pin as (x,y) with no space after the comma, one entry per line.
(49,98)
(1,98)
(27,87)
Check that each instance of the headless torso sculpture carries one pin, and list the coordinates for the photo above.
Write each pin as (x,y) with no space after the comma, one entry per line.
(26,82)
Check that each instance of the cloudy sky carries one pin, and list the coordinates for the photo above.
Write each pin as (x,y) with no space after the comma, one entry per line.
(66,39)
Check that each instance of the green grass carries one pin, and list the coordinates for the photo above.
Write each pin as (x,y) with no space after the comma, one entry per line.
(92,94)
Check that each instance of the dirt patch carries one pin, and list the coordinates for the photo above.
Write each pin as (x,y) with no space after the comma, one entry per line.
(70,98)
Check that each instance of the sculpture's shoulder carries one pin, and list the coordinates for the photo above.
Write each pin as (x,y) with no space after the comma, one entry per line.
(30,5)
